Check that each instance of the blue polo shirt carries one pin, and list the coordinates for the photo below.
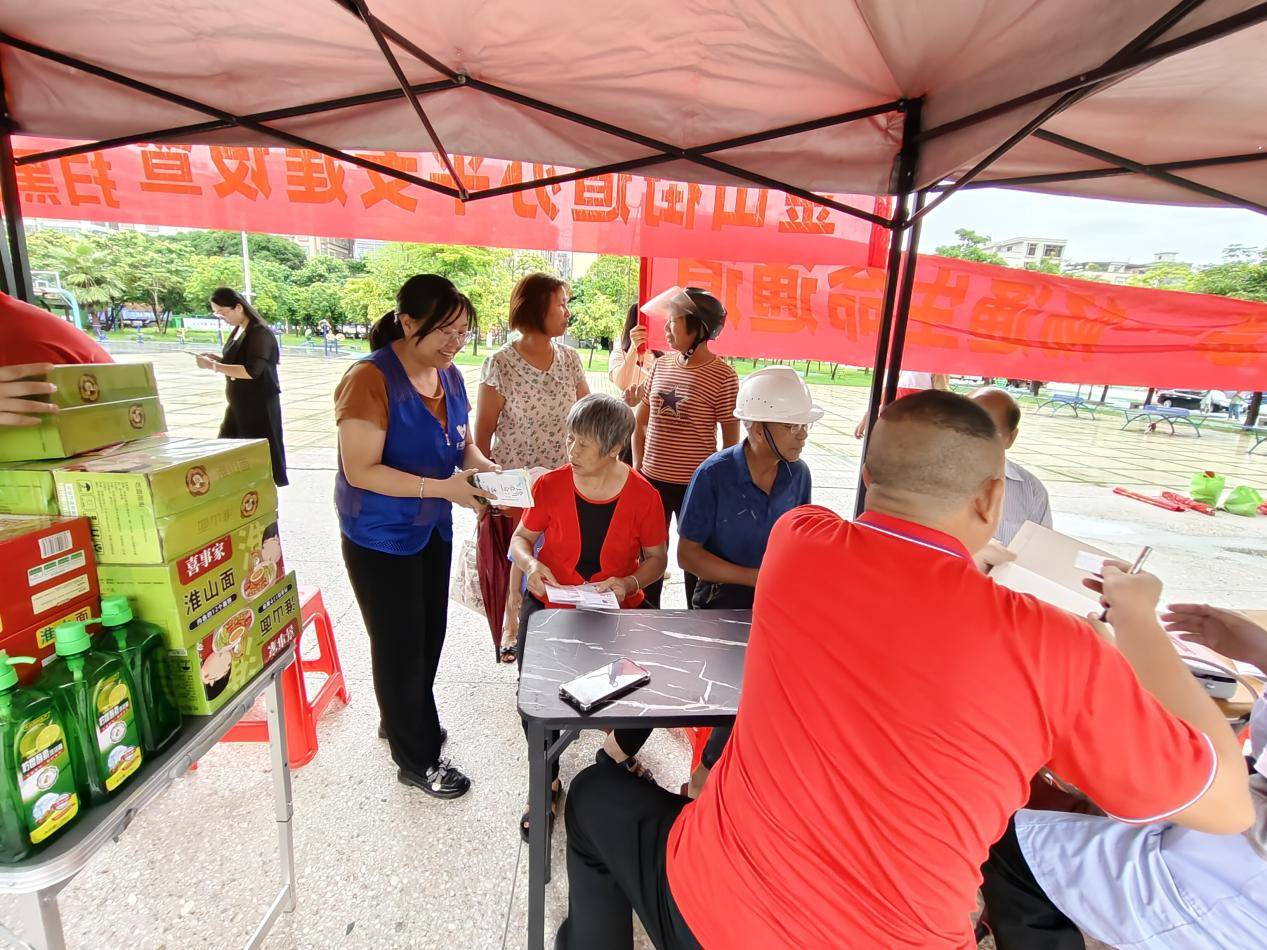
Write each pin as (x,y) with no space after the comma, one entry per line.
(727,514)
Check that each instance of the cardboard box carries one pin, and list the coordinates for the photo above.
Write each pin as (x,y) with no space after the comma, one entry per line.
(46,564)
(37,640)
(27,488)
(86,384)
(196,592)
(82,429)
(206,674)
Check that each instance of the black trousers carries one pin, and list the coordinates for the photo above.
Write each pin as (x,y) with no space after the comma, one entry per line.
(618,826)
(714,596)
(1020,914)
(404,600)
(630,741)
(671,496)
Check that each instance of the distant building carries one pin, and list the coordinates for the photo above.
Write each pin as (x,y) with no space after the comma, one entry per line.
(323,246)
(362,247)
(1116,272)
(1019,251)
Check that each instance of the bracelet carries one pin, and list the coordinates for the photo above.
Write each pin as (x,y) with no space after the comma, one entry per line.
(637,583)
(422,487)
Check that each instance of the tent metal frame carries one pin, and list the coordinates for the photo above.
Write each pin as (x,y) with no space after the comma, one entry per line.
(910,206)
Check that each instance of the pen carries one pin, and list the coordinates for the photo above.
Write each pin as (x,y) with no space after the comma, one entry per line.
(1135,569)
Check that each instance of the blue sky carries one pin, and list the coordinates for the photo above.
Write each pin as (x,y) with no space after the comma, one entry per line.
(1095,229)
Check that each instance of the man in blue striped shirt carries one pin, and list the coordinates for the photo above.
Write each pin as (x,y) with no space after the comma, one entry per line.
(1025,498)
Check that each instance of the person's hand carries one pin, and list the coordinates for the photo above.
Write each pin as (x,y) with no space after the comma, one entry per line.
(622,587)
(993,555)
(861,429)
(637,337)
(1223,631)
(1099,626)
(458,489)
(16,383)
(633,395)
(1126,596)
(206,361)
(537,576)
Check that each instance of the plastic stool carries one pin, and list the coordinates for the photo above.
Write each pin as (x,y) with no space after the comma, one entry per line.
(697,736)
(301,712)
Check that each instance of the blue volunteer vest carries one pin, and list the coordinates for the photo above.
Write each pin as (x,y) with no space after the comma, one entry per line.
(415,443)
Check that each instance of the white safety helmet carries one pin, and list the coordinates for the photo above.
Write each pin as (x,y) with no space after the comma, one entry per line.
(776,394)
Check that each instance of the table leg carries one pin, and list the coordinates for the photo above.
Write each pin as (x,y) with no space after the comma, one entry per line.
(538,833)
(42,920)
(283,809)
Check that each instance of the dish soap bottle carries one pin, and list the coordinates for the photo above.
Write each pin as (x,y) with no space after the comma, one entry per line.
(94,693)
(140,646)
(40,797)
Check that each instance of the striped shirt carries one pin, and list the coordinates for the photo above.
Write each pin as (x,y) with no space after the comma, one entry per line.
(1024,499)
(687,404)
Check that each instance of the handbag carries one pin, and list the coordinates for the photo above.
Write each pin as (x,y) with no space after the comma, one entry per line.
(466,579)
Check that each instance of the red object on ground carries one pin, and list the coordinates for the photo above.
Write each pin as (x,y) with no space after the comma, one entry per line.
(1262,509)
(1189,503)
(697,736)
(1148,499)
(301,712)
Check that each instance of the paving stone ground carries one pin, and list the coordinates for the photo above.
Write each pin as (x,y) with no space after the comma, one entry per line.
(381,866)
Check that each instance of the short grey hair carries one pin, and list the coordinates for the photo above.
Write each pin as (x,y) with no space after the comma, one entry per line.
(603,418)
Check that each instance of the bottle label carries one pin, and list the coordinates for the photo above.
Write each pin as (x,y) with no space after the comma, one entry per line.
(118,745)
(46,781)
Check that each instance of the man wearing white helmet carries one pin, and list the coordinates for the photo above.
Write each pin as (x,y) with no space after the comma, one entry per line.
(737,495)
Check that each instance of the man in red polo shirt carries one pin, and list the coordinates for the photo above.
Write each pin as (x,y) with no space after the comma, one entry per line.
(896,703)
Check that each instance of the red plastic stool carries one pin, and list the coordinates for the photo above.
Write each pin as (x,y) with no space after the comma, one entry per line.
(301,712)
(697,736)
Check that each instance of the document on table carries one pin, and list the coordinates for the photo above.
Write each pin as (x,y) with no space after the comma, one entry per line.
(1024,581)
(583,595)
(510,489)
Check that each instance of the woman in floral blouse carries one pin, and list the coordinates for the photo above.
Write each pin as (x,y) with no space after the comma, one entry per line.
(526,390)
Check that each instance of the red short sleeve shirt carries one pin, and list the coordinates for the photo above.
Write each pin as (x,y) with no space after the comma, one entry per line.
(32,335)
(637,523)
(896,703)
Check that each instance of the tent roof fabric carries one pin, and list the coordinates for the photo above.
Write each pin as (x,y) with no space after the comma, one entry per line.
(671,75)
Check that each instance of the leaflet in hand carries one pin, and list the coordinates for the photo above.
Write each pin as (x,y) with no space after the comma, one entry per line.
(510,489)
(583,595)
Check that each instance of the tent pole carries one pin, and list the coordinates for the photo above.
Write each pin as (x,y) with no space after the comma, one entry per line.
(1093,173)
(909,262)
(17,263)
(903,186)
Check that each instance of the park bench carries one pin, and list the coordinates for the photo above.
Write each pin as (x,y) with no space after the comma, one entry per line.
(1167,414)
(1061,401)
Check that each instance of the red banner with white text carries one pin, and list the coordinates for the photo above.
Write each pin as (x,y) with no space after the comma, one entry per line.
(294,191)
(979,319)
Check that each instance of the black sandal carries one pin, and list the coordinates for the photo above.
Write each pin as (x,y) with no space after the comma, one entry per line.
(556,793)
(630,765)
(507,654)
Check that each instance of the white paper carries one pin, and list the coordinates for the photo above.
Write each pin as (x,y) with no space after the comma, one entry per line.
(510,489)
(583,595)
(1024,581)
(1091,563)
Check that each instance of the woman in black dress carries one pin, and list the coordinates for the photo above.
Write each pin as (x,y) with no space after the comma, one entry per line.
(249,361)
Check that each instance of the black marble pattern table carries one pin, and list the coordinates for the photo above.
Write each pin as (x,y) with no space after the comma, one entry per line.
(695,658)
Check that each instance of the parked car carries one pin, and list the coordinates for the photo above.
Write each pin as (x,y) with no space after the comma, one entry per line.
(1215,399)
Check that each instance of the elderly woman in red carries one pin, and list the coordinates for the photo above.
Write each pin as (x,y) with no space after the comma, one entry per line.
(602,523)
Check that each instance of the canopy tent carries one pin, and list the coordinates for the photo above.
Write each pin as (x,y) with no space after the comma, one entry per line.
(1139,99)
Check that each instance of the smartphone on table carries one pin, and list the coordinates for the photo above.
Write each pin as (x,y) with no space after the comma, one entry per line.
(591,690)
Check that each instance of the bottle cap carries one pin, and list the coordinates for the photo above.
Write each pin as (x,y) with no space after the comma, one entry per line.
(71,638)
(115,611)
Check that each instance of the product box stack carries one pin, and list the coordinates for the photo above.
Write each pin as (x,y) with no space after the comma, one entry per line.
(185,528)
(48,576)
(100,404)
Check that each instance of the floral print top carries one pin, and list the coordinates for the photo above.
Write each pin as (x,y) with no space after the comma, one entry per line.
(532,430)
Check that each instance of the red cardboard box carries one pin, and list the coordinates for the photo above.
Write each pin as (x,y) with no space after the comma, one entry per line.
(37,639)
(46,566)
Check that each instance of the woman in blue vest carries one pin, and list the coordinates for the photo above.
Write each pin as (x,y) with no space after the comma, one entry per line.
(405,457)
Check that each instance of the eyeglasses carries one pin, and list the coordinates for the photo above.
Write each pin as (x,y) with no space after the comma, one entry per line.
(792,428)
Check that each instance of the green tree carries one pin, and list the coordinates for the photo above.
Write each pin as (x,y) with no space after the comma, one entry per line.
(1047,265)
(1244,280)
(87,269)
(151,270)
(322,269)
(260,247)
(1165,275)
(602,297)
(971,247)
(316,302)
(272,294)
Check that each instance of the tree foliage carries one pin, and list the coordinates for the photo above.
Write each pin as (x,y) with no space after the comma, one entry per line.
(602,297)
(971,247)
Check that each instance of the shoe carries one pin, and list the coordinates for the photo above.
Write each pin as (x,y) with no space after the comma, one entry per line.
(443,780)
(630,765)
(444,734)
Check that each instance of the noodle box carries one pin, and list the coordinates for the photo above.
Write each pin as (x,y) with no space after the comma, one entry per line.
(46,565)
(27,488)
(207,673)
(83,428)
(195,593)
(86,384)
(37,639)
(155,500)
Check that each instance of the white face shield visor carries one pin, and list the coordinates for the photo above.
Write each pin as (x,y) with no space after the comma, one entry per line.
(668,304)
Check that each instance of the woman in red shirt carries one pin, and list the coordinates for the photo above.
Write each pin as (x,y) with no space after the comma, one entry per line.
(602,523)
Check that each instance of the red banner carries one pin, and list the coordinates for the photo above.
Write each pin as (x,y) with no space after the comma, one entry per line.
(978,319)
(293,191)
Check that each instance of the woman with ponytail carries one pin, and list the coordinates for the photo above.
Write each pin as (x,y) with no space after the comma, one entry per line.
(249,361)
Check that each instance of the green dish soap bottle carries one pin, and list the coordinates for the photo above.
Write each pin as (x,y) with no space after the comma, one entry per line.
(40,797)
(95,694)
(140,646)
